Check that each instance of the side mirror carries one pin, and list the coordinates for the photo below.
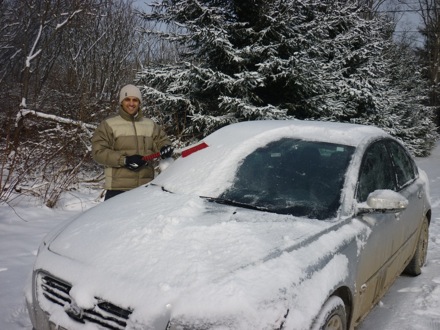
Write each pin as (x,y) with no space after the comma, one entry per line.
(383,201)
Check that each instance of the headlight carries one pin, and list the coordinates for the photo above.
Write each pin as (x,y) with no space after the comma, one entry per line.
(53,234)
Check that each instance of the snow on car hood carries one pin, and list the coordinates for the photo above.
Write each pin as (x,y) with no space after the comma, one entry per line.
(178,241)
(149,249)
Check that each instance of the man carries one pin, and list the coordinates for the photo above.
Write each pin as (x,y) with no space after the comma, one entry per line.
(120,141)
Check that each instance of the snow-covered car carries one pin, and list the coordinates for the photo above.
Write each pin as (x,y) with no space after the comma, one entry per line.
(267,225)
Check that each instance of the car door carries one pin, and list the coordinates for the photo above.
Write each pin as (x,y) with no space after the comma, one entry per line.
(376,172)
(411,187)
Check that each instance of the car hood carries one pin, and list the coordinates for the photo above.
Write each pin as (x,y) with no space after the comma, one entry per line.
(184,235)
(184,251)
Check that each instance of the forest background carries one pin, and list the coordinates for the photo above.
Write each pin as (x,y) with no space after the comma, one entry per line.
(201,65)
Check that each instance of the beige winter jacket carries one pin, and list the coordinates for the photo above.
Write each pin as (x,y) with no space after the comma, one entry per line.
(124,135)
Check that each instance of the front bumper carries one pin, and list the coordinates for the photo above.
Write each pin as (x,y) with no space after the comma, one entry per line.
(50,307)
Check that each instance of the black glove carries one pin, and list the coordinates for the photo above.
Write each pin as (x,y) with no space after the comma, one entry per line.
(166,152)
(134,162)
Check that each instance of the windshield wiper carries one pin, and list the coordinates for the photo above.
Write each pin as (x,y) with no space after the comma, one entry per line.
(162,187)
(235,203)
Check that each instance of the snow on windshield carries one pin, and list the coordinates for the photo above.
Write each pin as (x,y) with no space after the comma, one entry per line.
(292,176)
(210,171)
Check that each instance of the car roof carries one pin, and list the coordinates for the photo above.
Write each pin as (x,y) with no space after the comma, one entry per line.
(332,132)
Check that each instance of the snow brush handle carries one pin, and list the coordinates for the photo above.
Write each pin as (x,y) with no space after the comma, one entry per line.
(184,153)
(151,157)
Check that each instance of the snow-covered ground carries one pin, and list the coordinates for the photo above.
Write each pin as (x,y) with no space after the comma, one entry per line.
(412,303)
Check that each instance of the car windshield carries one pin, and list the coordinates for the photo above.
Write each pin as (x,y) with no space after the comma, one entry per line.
(289,176)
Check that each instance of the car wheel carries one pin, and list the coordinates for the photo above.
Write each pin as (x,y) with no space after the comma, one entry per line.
(414,267)
(332,315)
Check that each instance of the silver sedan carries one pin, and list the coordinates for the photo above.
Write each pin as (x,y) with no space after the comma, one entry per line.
(265,225)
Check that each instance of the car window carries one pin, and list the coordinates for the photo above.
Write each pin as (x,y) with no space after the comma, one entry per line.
(405,168)
(376,171)
(292,176)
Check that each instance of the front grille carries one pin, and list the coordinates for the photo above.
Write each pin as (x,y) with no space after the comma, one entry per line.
(104,313)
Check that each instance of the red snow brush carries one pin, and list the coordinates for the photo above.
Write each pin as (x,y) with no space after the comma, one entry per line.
(191,150)
(184,153)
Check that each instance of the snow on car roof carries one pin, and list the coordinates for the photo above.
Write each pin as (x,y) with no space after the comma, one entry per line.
(210,171)
(333,132)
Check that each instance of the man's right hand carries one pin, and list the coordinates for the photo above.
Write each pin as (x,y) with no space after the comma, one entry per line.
(134,162)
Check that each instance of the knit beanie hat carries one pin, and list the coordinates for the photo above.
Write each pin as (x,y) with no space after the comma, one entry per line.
(130,91)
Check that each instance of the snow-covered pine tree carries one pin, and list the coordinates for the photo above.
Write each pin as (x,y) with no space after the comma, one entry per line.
(305,59)
(403,101)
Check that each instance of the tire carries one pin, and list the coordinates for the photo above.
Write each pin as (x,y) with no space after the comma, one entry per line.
(414,267)
(332,315)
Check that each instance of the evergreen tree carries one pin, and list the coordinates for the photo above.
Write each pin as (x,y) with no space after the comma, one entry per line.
(403,101)
(304,59)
